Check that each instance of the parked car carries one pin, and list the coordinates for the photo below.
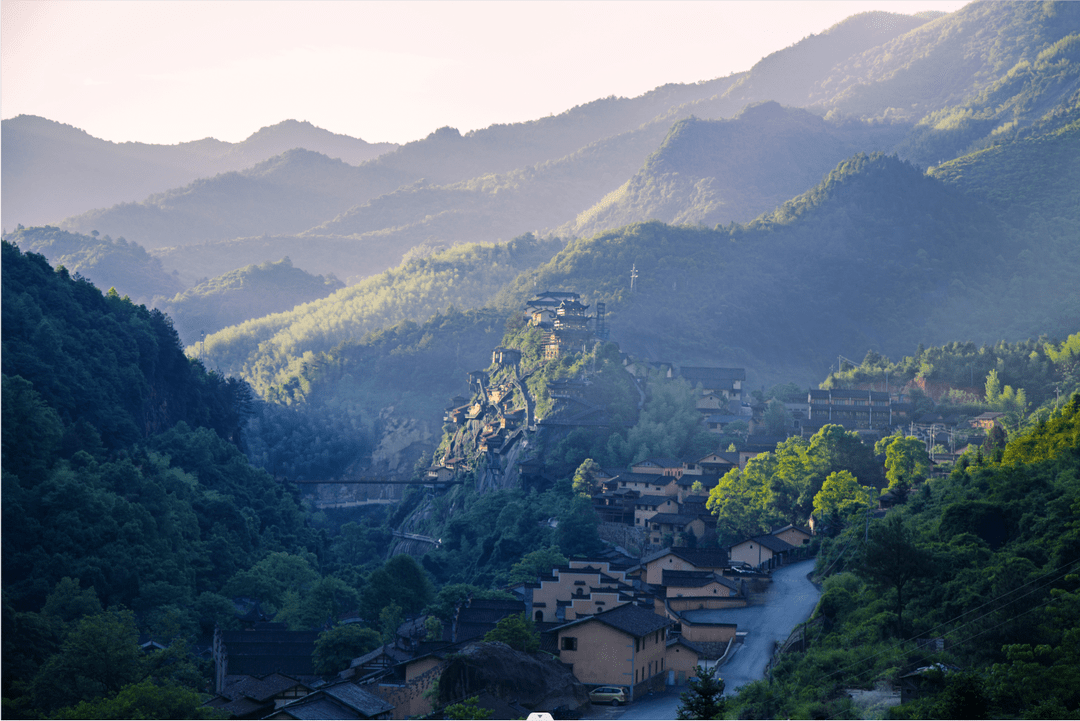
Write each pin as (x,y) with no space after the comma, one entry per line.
(608,694)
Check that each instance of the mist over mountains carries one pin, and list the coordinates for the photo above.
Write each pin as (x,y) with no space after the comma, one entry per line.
(986,97)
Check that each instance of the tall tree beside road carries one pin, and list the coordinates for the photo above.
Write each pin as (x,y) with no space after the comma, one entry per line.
(705,699)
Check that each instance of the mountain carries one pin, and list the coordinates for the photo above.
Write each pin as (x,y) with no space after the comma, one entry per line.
(285,194)
(52,171)
(466,276)
(103,261)
(947,61)
(250,292)
(723,171)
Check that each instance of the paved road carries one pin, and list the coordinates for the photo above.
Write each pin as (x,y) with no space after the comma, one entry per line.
(789,601)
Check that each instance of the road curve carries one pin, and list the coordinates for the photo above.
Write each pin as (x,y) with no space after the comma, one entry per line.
(789,601)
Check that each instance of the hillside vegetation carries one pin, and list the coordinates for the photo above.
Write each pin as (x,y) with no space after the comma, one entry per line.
(103,261)
(466,276)
(249,292)
(985,559)
(720,171)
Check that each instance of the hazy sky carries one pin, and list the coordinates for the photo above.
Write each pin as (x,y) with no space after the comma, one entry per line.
(168,71)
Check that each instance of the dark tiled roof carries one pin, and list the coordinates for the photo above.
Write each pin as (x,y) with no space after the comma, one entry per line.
(674,519)
(653,500)
(704,649)
(703,374)
(653,478)
(357,698)
(661,462)
(629,618)
(772,543)
(702,557)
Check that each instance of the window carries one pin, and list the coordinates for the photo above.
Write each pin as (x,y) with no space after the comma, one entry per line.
(568,643)
(637,645)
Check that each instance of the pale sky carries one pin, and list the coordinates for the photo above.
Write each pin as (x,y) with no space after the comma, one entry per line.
(167,71)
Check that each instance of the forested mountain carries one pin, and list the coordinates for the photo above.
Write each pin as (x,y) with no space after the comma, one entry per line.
(53,171)
(249,292)
(466,276)
(719,171)
(105,262)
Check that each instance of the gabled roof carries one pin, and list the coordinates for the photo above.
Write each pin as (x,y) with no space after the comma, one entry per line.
(336,702)
(703,373)
(659,462)
(792,526)
(772,543)
(697,557)
(695,579)
(628,618)
(653,500)
(674,519)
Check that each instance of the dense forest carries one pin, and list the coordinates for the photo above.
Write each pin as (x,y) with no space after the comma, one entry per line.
(985,559)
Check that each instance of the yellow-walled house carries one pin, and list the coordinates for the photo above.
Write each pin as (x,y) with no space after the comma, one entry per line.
(624,647)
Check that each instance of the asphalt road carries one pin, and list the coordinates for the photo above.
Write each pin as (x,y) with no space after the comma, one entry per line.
(789,601)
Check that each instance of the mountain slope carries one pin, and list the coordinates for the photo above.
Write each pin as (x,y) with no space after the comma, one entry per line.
(285,194)
(945,61)
(103,261)
(250,292)
(53,171)
(466,276)
(724,171)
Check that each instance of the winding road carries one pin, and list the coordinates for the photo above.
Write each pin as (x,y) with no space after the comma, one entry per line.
(789,600)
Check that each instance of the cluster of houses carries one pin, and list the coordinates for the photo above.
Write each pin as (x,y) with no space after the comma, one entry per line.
(637,623)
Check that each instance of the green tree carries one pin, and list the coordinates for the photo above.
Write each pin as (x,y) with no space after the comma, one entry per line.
(536,563)
(516,631)
(433,629)
(840,496)
(144,700)
(400,580)
(583,477)
(906,463)
(577,531)
(892,559)
(97,658)
(338,646)
(468,709)
(705,699)
(390,619)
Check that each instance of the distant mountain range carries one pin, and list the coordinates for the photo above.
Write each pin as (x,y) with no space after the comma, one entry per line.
(52,171)
(987,98)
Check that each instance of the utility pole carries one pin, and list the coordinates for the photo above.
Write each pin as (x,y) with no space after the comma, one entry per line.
(633,277)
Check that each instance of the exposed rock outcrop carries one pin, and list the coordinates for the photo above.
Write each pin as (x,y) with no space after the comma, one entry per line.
(534,680)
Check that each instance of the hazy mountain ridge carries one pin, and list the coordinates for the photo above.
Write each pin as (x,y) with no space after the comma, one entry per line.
(829,62)
(285,194)
(52,171)
(250,292)
(723,171)
(103,261)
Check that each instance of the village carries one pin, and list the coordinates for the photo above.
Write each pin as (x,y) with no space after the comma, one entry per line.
(622,624)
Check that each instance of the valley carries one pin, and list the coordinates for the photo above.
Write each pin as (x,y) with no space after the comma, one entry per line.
(576,385)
